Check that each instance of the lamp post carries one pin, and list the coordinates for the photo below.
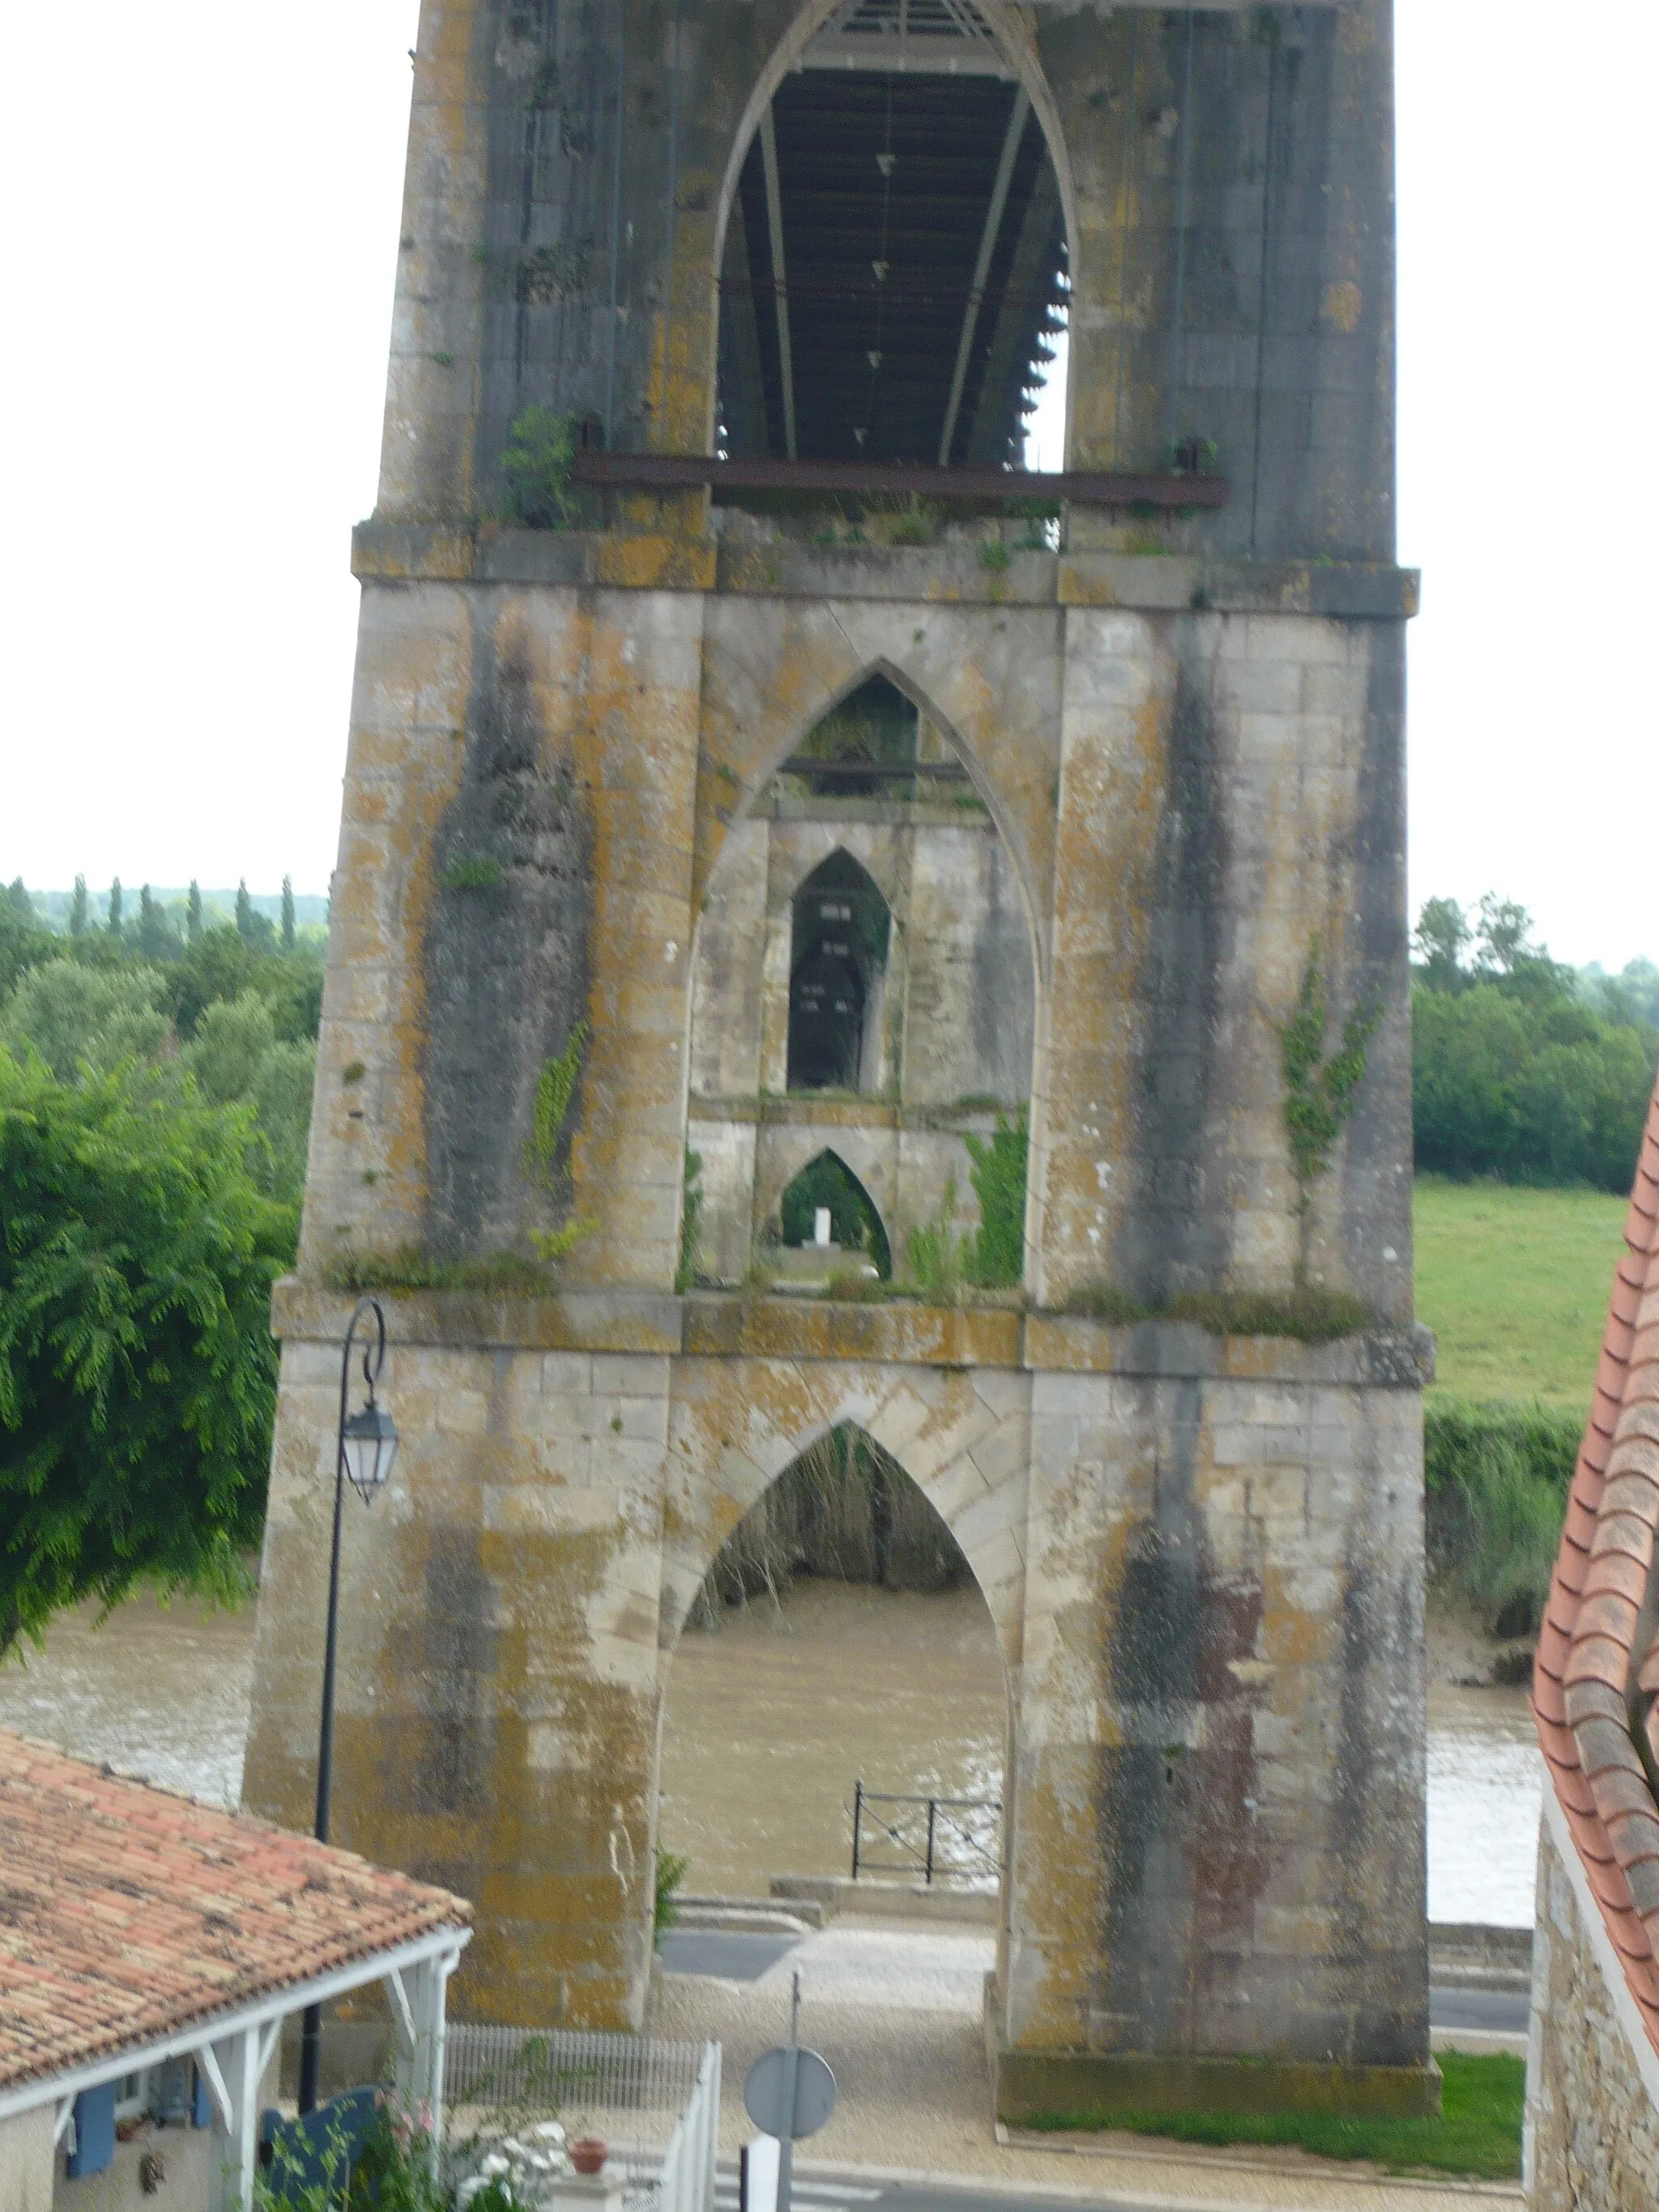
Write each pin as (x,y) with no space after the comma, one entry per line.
(365,1445)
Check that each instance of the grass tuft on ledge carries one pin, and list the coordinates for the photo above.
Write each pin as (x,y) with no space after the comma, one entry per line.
(509,1274)
(1478,2132)
(1310,1313)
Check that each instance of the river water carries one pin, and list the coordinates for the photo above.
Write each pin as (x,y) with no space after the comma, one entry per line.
(770,1721)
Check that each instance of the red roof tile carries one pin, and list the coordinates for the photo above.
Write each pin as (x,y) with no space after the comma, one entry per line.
(1583,1655)
(127,1913)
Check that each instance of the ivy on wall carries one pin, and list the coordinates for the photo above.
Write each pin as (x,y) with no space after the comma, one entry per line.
(1319,1091)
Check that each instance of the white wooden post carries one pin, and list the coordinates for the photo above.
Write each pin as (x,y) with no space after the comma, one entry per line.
(232,2069)
(417,1995)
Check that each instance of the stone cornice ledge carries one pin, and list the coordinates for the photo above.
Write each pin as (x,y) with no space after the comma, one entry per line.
(724,1325)
(412,552)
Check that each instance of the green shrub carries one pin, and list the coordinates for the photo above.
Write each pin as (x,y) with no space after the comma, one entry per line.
(938,1252)
(671,1868)
(1497,1477)
(998,1256)
(537,467)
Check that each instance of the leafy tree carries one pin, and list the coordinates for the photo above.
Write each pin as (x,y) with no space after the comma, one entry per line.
(23,944)
(243,912)
(115,907)
(288,914)
(232,1037)
(1521,1070)
(1441,938)
(77,920)
(137,1376)
(282,1085)
(193,914)
(157,938)
(22,904)
(76,1017)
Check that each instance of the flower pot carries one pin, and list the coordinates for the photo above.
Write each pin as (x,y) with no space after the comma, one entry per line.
(588,2154)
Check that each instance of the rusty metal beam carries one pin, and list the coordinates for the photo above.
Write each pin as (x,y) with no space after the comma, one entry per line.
(1088,486)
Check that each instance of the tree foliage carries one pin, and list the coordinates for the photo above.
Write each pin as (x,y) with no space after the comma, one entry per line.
(1518,1071)
(137,1375)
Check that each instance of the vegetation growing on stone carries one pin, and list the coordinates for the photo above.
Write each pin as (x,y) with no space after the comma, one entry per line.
(1309,1313)
(690,1224)
(407,1267)
(473,871)
(998,1174)
(536,468)
(1319,1091)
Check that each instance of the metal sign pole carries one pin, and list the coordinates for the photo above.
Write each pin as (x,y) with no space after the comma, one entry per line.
(791,2067)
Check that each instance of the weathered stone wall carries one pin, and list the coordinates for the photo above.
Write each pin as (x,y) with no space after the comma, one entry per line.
(1203,1562)
(1278,346)
(1592,2126)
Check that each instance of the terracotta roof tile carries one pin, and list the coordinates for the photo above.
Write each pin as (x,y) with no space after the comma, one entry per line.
(127,1912)
(1584,1650)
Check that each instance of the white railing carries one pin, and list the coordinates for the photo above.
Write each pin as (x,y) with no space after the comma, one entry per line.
(655,2102)
(688,2170)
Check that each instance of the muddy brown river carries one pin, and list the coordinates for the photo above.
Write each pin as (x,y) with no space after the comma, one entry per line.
(770,1721)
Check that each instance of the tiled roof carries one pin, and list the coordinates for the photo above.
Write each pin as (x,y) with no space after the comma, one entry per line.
(127,1913)
(1589,1624)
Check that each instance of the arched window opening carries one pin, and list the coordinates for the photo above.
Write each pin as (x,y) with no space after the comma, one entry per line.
(854,1644)
(894,268)
(838,957)
(853,1233)
(845,1510)
(866,748)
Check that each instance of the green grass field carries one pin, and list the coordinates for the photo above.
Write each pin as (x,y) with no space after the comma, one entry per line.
(1479,2130)
(1514,1283)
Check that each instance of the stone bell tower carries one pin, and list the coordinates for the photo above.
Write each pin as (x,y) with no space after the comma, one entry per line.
(750,756)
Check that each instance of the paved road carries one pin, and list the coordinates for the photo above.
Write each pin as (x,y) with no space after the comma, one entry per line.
(745,1958)
(852,2192)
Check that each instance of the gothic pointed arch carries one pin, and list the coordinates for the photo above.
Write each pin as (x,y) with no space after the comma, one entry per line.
(893,240)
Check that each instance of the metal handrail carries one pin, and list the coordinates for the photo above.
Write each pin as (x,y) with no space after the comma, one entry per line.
(926,1856)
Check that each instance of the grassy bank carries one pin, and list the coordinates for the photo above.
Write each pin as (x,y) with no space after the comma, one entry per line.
(1514,1283)
(1478,2132)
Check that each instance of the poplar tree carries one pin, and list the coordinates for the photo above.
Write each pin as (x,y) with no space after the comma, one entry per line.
(243,912)
(78,909)
(288,914)
(115,907)
(192,912)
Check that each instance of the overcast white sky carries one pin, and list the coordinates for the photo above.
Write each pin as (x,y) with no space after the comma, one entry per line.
(200,213)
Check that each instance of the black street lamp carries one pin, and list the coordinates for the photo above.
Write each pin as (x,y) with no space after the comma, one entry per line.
(365,1447)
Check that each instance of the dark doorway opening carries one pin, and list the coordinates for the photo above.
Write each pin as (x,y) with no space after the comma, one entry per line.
(838,963)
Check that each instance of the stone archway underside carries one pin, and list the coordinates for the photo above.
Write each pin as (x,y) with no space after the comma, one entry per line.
(962,1436)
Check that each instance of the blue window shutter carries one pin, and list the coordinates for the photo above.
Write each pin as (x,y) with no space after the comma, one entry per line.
(95,2131)
(201,2103)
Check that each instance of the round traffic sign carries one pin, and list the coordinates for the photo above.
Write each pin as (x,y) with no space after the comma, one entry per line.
(815,2093)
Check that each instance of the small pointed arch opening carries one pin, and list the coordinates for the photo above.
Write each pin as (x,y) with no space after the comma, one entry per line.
(828,1210)
(841,930)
